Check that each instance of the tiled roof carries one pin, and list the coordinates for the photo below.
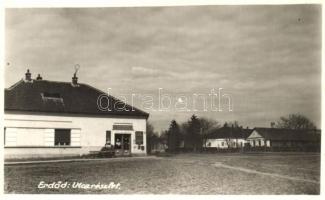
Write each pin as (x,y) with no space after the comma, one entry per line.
(288,134)
(229,132)
(61,97)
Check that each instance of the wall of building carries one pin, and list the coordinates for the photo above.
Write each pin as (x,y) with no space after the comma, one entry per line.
(259,142)
(225,143)
(32,135)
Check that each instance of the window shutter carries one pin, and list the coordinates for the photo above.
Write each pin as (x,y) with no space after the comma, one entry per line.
(4,135)
(139,137)
(108,136)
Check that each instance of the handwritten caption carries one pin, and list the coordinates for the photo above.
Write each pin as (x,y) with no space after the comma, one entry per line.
(78,185)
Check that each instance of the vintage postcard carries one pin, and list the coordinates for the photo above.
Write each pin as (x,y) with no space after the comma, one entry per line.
(209,99)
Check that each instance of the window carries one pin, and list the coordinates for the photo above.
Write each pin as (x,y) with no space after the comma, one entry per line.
(222,143)
(51,95)
(139,137)
(108,136)
(62,137)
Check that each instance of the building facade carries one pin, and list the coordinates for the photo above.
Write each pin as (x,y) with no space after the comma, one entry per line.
(51,119)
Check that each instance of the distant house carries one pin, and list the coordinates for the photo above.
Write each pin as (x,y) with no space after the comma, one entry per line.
(49,118)
(227,137)
(284,138)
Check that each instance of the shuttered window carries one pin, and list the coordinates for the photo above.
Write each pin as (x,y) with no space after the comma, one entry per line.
(62,137)
(108,136)
(139,137)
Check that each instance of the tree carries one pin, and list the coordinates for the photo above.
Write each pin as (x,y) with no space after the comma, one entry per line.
(193,138)
(207,125)
(233,127)
(295,121)
(163,138)
(233,124)
(152,137)
(183,134)
(173,136)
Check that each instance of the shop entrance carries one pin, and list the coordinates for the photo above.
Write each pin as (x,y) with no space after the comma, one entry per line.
(122,144)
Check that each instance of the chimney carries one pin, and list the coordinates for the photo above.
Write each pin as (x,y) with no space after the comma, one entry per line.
(39,78)
(28,76)
(74,80)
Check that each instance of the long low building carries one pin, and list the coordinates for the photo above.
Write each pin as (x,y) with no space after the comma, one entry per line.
(285,138)
(264,139)
(48,119)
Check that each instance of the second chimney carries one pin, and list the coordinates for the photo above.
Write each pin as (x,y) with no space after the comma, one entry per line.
(28,76)
(39,78)
(74,80)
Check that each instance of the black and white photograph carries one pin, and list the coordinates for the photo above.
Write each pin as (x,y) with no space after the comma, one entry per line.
(208,99)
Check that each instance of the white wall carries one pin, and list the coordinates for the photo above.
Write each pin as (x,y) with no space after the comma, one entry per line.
(259,142)
(88,133)
(225,143)
(33,137)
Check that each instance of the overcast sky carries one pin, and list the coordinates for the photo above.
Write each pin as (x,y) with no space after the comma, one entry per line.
(268,58)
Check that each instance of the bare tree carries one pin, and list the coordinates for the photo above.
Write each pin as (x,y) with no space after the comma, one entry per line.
(207,125)
(151,137)
(295,121)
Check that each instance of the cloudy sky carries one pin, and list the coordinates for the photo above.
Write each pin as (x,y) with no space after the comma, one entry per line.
(268,58)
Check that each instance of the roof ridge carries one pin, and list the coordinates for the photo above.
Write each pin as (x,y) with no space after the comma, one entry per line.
(22,80)
(14,85)
(54,81)
(282,129)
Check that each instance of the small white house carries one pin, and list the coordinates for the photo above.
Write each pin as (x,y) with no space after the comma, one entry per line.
(48,119)
(256,139)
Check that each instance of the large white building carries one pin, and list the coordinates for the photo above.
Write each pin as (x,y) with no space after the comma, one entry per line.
(49,119)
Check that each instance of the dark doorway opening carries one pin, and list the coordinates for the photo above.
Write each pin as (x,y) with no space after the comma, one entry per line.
(122,144)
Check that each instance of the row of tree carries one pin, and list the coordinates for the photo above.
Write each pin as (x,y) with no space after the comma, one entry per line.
(192,134)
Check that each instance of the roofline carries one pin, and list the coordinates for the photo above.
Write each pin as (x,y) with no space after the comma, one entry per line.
(230,137)
(133,107)
(85,84)
(14,85)
(7,111)
(286,129)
